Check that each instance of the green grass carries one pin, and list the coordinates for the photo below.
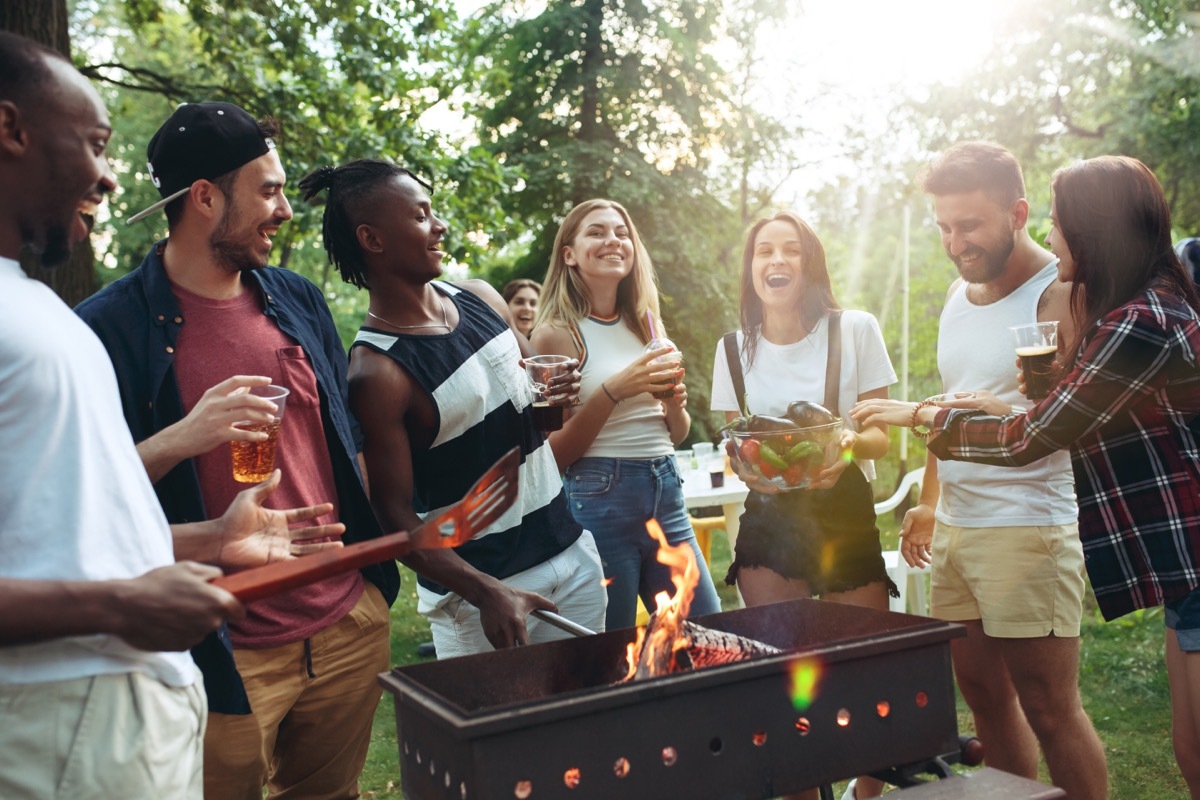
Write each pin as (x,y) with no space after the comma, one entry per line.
(1122,679)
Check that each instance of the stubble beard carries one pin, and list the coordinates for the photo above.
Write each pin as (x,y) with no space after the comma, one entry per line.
(229,254)
(993,263)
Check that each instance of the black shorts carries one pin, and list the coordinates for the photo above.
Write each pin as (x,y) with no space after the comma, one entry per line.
(825,537)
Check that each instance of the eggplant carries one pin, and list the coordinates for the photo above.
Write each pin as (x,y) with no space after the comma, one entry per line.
(761,423)
(803,414)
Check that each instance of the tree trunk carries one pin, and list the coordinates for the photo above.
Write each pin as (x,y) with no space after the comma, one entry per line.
(45,21)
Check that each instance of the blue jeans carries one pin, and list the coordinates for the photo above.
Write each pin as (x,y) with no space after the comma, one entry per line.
(613,498)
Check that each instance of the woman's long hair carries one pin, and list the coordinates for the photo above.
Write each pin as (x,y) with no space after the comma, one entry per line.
(565,299)
(816,299)
(1114,218)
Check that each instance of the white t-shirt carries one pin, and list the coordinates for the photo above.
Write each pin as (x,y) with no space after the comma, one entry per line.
(784,373)
(75,500)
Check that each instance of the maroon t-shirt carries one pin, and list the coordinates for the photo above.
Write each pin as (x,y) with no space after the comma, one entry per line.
(222,338)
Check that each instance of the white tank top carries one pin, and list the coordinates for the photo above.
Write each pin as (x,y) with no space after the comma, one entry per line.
(637,427)
(976,351)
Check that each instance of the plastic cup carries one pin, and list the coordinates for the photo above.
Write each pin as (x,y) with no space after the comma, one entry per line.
(541,371)
(1037,345)
(716,470)
(701,453)
(253,462)
(665,362)
(684,459)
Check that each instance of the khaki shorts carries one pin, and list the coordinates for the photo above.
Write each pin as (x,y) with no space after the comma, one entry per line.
(109,736)
(1021,582)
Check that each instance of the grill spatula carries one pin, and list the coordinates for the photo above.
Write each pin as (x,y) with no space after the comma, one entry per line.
(490,497)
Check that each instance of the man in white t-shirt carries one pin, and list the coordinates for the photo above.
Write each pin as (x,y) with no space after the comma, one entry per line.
(1003,541)
(97,700)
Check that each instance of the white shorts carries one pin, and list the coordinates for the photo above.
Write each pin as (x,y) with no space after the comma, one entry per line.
(573,580)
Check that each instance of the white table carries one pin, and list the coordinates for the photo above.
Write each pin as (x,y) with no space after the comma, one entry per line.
(698,492)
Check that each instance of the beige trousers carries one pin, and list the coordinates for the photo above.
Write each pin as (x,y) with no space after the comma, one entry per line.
(103,737)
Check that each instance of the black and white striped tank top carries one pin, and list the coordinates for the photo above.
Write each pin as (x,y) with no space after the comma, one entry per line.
(482,400)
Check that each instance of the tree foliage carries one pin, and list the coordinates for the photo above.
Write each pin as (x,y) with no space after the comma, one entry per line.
(1078,78)
(620,100)
(345,79)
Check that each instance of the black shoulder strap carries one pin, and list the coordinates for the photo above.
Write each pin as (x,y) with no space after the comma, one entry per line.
(734,360)
(833,365)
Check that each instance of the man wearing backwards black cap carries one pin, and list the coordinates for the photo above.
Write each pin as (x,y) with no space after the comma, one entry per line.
(94,704)
(202,318)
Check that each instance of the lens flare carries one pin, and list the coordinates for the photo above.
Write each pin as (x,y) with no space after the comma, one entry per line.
(804,678)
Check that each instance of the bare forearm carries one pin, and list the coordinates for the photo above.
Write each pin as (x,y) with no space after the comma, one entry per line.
(577,435)
(197,541)
(448,569)
(870,444)
(931,489)
(679,422)
(160,453)
(36,611)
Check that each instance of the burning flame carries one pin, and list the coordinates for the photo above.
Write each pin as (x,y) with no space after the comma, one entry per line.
(665,631)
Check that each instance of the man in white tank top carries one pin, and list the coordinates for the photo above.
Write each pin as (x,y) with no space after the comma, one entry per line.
(1004,542)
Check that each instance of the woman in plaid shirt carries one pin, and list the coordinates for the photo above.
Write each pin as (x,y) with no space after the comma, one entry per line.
(1126,407)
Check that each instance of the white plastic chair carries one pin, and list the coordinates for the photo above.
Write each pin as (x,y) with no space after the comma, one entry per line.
(902,575)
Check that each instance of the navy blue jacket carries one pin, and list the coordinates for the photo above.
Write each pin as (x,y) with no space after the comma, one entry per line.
(138,320)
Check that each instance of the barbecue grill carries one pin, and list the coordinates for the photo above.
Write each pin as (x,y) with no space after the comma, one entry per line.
(555,721)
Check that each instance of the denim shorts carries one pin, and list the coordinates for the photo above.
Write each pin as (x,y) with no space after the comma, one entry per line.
(825,537)
(1183,617)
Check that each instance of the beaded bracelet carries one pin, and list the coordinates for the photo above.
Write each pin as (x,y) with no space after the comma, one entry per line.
(919,430)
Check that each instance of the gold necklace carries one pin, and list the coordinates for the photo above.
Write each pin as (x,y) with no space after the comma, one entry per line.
(445,323)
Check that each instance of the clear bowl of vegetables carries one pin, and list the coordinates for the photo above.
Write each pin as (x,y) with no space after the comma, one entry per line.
(787,455)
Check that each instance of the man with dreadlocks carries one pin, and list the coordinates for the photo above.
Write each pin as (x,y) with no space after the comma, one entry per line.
(202,318)
(437,383)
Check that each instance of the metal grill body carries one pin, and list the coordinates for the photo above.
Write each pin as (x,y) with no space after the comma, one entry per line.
(551,721)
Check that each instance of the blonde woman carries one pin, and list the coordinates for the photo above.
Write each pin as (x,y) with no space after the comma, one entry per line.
(618,446)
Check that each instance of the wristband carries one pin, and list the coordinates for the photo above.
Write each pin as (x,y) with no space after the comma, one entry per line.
(610,397)
(919,430)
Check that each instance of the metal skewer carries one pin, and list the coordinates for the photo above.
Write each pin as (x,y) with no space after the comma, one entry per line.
(562,623)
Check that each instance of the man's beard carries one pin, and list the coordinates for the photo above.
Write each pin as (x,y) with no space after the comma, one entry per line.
(56,248)
(992,266)
(230,254)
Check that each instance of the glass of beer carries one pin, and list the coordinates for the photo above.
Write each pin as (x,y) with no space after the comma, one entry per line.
(541,371)
(1037,345)
(667,361)
(253,462)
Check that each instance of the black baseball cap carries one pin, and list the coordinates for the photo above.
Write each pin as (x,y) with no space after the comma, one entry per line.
(201,141)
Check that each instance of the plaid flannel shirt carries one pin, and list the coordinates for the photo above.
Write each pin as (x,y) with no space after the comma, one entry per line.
(1128,413)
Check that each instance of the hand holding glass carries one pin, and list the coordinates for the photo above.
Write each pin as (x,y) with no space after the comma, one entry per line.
(1037,345)
(672,361)
(541,371)
(253,462)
